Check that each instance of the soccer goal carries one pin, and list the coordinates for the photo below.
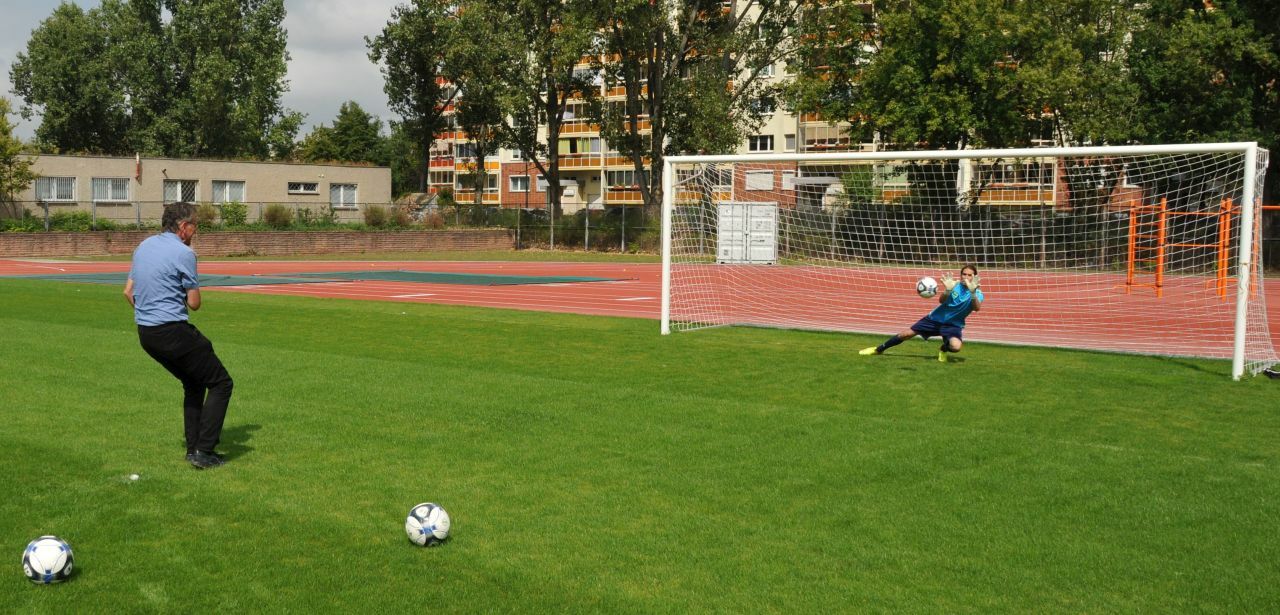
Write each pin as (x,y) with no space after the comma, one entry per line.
(1140,249)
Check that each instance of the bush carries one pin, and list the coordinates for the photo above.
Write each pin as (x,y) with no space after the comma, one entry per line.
(71,221)
(26,224)
(326,216)
(375,216)
(648,240)
(206,215)
(235,214)
(401,217)
(277,216)
(433,220)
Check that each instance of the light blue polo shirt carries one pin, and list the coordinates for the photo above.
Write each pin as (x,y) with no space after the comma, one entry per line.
(164,269)
(957,306)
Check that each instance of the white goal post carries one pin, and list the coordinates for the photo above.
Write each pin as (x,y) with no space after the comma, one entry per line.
(1141,249)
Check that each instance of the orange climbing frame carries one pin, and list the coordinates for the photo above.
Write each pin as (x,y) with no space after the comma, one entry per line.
(1148,243)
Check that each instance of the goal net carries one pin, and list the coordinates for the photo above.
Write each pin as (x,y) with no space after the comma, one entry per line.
(1141,249)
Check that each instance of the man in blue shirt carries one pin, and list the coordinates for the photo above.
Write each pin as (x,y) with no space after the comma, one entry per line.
(162,286)
(946,320)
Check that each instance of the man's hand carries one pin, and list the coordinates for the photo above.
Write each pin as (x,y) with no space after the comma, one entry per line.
(972,283)
(948,282)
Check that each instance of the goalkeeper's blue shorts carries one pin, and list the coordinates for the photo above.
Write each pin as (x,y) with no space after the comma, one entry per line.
(928,327)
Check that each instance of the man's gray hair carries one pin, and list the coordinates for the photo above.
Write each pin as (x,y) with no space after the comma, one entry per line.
(175,214)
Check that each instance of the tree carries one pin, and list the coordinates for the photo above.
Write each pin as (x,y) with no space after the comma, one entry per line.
(412,50)
(402,157)
(828,66)
(554,36)
(119,79)
(15,168)
(230,61)
(66,76)
(1073,67)
(692,75)
(318,145)
(358,135)
(486,71)
(1205,73)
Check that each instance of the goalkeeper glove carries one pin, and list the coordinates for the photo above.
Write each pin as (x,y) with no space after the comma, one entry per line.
(972,283)
(948,282)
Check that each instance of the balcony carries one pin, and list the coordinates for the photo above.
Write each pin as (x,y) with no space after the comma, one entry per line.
(579,161)
(464,196)
(620,91)
(579,127)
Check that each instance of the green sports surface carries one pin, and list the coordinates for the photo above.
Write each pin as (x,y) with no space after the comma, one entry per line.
(592,465)
(433,277)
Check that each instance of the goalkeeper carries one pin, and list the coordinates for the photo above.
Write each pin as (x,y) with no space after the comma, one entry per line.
(945,321)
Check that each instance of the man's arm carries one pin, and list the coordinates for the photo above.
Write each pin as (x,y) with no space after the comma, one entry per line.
(128,291)
(977,301)
(193,299)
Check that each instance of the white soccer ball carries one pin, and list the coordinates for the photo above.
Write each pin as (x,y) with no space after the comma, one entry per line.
(427,524)
(47,559)
(926,287)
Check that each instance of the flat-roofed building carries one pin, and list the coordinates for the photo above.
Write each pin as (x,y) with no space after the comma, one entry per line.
(132,190)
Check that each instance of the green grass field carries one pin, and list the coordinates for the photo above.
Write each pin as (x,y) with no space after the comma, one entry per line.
(591,465)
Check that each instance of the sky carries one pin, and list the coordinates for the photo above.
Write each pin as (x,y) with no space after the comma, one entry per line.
(328,63)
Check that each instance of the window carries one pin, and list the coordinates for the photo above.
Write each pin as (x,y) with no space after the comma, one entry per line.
(518,183)
(790,143)
(788,180)
(542,183)
(765,105)
(624,179)
(180,190)
(55,188)
(467,181)
(720,178)
(759,180)
(766,70)
(228,191)
(342,195)
(760,143)
(110,189)
(304,188)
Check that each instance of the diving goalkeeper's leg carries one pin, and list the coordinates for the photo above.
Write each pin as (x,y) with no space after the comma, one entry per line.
(889,343)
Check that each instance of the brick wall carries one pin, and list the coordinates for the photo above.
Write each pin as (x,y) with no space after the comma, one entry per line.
(257,243)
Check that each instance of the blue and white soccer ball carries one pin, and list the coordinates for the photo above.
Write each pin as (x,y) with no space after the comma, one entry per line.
(926,287)
(427,524)
(47,559)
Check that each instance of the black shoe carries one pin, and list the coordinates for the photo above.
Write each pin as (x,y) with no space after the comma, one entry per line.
(1271,373)
(204,459)
(220,456)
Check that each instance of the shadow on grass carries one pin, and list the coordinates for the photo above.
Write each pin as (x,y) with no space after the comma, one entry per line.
(1191,365)
(234,438)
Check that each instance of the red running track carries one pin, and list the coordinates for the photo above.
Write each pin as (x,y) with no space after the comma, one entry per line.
(1086,311)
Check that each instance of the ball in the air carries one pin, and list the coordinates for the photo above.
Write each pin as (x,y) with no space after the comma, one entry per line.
(47,559)
(926,287)
(427,524)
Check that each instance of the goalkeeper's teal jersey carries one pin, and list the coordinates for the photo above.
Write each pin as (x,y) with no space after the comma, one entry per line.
(957,306)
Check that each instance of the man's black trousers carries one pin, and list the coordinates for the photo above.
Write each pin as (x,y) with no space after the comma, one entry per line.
(189,356)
